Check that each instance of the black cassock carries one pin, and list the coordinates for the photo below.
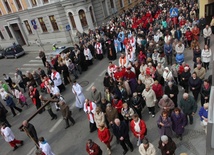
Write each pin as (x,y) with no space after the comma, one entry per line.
(111,53)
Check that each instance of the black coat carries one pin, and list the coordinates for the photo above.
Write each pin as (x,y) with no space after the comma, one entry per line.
(32,131)
(173,90)
(170,146)
(111,53)
(121,131)
(196,83)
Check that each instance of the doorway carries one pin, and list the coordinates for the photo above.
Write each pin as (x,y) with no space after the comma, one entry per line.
(18,34)
(209,12)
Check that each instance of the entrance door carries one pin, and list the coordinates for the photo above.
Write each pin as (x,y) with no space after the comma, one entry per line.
(209,12)
(18,34)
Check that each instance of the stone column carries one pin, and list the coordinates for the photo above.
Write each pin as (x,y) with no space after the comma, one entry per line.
(78,23)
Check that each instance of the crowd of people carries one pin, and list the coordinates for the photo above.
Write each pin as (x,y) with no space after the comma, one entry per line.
(150,45)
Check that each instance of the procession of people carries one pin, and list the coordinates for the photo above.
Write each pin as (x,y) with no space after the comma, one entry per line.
(150,44)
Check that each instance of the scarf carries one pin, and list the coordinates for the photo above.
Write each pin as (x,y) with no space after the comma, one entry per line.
(137,125)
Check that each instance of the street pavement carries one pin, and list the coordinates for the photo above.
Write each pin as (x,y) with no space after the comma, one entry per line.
(72,140)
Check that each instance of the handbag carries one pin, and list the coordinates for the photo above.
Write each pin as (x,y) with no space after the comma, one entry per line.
(159,126)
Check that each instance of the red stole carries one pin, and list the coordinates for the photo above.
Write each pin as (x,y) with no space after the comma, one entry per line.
(91,108)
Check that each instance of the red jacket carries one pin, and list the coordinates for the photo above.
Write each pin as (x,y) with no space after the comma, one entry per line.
(158,90)
(104,135)
(93,150)
(188,35)
(142,129)
(117,105)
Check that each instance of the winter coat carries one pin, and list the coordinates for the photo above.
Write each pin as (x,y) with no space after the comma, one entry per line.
(94,149)
(9,101)
(158,90)
(170,146)
(203,112)
(188,106)
(117,104)
(111,114)
(206,55)
(149,97)
(149,151)
(142,126)
(173,90)
(168,104)
(121,131)
(127,113)
(178,123)
(104,135)
(200,72)
(195,83)
(167,128)
(99,118)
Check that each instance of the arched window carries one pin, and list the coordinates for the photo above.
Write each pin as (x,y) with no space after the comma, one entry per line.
(92,15)
(72,20)
(83,19)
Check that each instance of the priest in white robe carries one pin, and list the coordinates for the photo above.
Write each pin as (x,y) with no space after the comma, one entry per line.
(80,98)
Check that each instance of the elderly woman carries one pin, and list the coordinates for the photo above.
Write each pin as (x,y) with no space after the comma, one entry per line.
(99,117)
(203,113)
(165,124)
(166,74)
(178,122)
(185,75)
(105,136)
(150,98)
(166,103)
(127,112)
(158,89)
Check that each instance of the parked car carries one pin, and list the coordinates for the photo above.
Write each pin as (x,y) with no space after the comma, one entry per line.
(1,53)
(14,51)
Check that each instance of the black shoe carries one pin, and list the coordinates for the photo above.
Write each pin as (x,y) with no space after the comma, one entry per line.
(55,117)
(73,122)
(22,143)
(67,126)
(80,109)
(52,118)
(124,152)
(131,150)
(16,147)
(14,115)
(57,109)
(180,138)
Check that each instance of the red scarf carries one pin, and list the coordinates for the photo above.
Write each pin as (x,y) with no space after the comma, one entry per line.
(91,108)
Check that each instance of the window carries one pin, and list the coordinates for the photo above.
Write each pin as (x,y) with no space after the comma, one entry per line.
(121,3)
(112,3)
(72,20)
(33,2)
(0,13)
(92,15)
(1,35)
(42,24)
(28,27)
(82,18)
(53,23)
(7,6)
(8,32)
(129,1)
(45,1)
(19,6)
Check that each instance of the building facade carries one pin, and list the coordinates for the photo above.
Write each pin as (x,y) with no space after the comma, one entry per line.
(53,21)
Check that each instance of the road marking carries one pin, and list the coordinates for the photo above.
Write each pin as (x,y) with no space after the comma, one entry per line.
(35,60)
(32,151)
(101,74)
(33,65)
(55,125)
(90,86)
(26,69)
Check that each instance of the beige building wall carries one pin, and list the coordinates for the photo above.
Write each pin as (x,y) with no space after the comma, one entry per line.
(13,6)
(202,4)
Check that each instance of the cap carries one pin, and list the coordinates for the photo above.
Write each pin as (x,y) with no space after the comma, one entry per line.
(164,138)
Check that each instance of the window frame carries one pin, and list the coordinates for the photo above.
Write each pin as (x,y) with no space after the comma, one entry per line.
(28,27)
(92,14)
(17,6)
(1,35)
(7,5)
(10,35)
(31,1)
(73,23)
(45,1)
(83,19)
(54,24)
(42,25)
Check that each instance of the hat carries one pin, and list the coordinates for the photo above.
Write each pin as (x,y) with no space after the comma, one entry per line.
(108,105)
(164,138)
(145,141)
(166,68)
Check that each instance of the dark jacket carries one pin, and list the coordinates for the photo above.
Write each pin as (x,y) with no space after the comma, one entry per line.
(178,123)
(195,83)
(94,149)
(65,111)
(10,102)
(32,131)
(121,131)
(173,90)
(170,146)
(188,106)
